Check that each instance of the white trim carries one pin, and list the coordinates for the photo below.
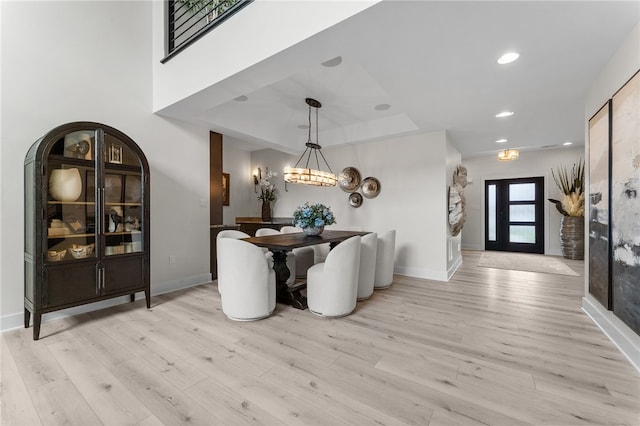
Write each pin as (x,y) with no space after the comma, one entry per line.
(452,270)
(625,340)
(474,247)
(427,274)
(13,321)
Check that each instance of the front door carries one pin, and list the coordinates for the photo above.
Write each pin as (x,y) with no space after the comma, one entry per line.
(514,215)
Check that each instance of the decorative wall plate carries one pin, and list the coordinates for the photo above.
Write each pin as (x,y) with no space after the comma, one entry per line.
(370,187)
(349,179)
(355,199)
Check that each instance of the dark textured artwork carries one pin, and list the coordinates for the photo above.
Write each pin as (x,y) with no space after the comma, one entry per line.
(625,203)
(599,280)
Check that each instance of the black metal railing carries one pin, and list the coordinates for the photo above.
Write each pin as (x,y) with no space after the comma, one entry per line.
(188,20)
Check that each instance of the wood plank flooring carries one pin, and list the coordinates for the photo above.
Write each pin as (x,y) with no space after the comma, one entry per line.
(492,347)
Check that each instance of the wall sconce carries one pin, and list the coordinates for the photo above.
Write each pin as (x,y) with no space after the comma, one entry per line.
(257,175)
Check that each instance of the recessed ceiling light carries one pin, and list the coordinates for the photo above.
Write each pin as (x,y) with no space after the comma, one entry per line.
(507,58)
(567,143)
(501,141)
(332,62)
(382,107)
(241,98)
(504,114)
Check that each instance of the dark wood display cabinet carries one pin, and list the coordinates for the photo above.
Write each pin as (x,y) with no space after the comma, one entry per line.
(86,219)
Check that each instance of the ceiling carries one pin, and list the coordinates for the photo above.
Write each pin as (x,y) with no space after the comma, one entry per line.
(435,64)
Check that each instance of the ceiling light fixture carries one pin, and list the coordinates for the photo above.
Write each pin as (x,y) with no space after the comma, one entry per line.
(504,114)
(501,141)
(567,143)
(332,62)
(382,107)
(306,175)
(508,57)
(508,155)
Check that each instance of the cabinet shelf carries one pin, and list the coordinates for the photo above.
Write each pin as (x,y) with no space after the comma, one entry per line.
(107,234)
(62,237)
(124,204)
(71,203)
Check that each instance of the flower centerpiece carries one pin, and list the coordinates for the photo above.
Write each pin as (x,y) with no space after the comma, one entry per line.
(268,193)
(571,206)
(312,218)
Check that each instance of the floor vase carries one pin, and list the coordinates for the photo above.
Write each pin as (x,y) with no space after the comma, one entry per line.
(572,237)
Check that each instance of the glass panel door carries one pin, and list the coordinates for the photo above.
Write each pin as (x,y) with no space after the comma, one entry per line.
(522,213)
(123,192)
(515,215)
(71,202)
(492,219)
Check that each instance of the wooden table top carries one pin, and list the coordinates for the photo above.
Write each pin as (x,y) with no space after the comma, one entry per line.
(299,239)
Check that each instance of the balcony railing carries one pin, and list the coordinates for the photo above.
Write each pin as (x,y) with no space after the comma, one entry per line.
(188,20)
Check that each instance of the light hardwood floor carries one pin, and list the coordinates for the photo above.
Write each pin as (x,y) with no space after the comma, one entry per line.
(492,346)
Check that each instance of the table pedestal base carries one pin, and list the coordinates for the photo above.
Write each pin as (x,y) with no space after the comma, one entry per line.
(284,294)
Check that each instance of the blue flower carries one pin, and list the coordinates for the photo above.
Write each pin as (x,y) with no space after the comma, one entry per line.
(313,215)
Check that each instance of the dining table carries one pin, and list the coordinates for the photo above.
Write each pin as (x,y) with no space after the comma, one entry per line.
(281,244)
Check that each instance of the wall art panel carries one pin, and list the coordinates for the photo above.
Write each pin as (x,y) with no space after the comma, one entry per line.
(599,235)
(625,203)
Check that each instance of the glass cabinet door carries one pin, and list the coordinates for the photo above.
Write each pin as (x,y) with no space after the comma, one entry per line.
(123,198)
(70,198)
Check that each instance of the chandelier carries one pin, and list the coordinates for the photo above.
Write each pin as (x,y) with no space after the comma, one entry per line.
(307,175)
(508,155)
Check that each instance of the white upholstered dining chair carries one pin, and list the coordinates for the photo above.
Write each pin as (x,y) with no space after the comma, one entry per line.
(305,256)
(248,282)
(227,233)
(322,250)
(332,286)
(368,249)
(291,258)
(385,257)
(232,233)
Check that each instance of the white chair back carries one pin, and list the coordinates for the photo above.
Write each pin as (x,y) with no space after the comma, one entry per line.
(249,283)
(290,229)
(231,233)
(227,233)
(332,286)
(368,250)
(385,258)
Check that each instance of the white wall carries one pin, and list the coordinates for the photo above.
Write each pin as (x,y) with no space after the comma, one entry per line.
(237,163)
(530,164)
(622,66)
(413,199)
(75,61)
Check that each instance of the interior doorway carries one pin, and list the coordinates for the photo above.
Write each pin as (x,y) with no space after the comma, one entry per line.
(514,215)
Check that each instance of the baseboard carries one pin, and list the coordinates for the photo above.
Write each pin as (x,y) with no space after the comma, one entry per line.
(625,340)
(161,287)
(425,273)
(554,252)
(13,321)
(452,270)
(472,247)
